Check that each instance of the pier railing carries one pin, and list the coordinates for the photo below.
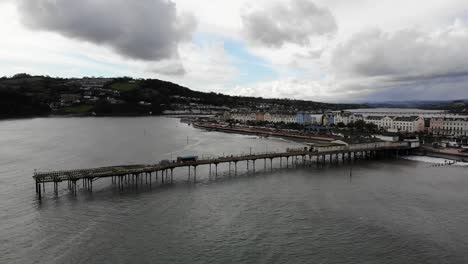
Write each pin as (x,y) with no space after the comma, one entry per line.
(61,175)
(125,175)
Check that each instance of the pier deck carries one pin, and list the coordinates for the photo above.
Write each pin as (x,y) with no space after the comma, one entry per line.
(121,174)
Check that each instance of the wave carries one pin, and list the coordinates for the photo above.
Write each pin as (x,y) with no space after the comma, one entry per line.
(434,160)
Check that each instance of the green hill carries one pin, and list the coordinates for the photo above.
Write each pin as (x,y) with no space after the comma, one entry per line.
(25,95)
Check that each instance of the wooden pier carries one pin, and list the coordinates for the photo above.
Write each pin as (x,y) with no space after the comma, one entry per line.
(148,174)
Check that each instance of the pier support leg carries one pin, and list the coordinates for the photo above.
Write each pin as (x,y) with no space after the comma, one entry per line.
(39,191)
(229,169)
(271,164)
(172,176)
(194,174)
(216,170)
(253,165)
(235,168)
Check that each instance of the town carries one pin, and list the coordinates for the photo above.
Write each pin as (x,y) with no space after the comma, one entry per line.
(438,130)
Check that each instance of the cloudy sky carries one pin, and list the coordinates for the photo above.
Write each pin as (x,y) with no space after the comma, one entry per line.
(322,50)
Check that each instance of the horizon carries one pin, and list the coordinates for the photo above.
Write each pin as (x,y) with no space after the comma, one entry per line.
(322,51)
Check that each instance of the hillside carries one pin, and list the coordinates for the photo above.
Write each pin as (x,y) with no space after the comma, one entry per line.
(454,106)
(25,95)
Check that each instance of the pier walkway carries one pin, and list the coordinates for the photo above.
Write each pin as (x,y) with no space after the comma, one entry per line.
(133,174)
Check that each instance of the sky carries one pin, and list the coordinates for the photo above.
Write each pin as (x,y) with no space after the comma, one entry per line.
(321,50)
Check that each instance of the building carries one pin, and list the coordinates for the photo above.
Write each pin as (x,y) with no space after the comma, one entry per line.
(227,115)
(436,125)
(243,116)
(347,117)
(400,112)
(317,119)
(331,119)
(410,124)
(376,120)
(260,116)
(450,126)
(455,126)
(303,118)
(382,122)
(283,117)
(69,99)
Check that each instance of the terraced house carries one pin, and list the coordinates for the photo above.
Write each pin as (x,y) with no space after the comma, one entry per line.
(410,124)
(406,124)
(382,122)
(455,126)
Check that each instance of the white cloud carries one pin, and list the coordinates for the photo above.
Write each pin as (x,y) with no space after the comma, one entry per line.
(293,22)
(404,53)
(387,49)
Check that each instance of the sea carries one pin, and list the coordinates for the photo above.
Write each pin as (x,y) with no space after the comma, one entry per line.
(408,210)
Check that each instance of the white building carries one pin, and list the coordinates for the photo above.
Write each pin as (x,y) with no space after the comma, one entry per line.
(382,122)
(286,118)
(401,112)
(243,116)
(346,117)
(410,124)
(455,126)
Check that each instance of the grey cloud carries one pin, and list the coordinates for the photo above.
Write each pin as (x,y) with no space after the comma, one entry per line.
(172,68)
(407,64)
(438,88)
(145,29)
(404,53)
(293,22)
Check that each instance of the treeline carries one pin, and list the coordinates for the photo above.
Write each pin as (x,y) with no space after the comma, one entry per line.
(459,106)
(16,104)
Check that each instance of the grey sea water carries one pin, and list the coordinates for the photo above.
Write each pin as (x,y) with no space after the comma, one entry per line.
(389,211)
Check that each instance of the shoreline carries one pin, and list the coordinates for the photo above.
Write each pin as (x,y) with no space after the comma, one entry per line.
(103,115)
(262,132)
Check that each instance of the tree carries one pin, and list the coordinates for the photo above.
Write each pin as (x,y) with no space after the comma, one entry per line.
(371,128)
